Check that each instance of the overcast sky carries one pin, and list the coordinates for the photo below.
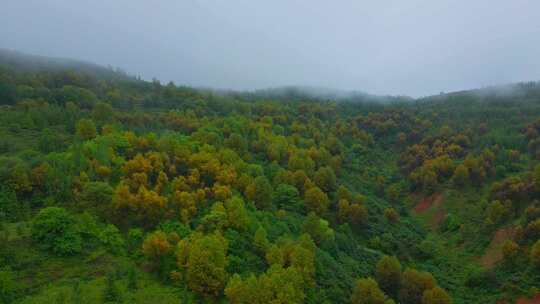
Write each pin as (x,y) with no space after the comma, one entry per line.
(410,47)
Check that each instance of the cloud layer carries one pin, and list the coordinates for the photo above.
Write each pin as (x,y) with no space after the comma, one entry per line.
(414,47)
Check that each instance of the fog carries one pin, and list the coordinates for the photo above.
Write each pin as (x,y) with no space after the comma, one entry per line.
(414,47)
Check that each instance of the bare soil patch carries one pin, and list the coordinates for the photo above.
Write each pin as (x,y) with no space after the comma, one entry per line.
(493,253)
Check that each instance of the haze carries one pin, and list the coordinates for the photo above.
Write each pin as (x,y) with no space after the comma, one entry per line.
(415,47)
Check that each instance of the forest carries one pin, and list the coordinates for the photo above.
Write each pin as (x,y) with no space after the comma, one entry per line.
(119,190)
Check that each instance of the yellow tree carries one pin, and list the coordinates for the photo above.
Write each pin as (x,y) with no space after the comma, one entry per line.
(461,175)
(388,274)
(325,178)
(436,295)
(156,246)
(86,129)
(203,261)
(316,200)
(413,285)
(366,291)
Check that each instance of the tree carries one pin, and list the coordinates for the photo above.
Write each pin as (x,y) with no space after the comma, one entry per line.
(260,240)
(496,211)
(344,194)
(391,215)
(436,295)
(8,286)
(413,285)
(316,200)
(274,256)
(54,228)
(287,197)
(277,285)
(358,214)
(9,205)
(477,173)
(260,191)
(103,112)
(216,219)
(86,129)
(18,179)
(461,175)
(97,195)
(49,141)
(236,213)
(111,238)
(388,274)
(317,228)
(156,247)
(70,93)
(510,250)
(535,254)
(366,291)
(325,178)
(203,260)
(424,177)
(393,192)
(343,210)
(111,293)
(132,283)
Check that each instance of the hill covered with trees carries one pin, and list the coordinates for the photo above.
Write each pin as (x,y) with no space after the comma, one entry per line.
(119,190)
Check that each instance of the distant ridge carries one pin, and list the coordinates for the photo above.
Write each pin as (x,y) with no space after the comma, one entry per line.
(22,62)
(17,62)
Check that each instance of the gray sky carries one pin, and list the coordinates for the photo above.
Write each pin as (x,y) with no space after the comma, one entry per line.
(412,47)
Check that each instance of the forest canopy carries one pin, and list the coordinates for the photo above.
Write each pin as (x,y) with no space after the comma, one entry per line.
(116,189)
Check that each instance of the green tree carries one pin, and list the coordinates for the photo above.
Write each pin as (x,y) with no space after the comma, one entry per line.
(111,293)
(277,285)
(496,212)
(203,260)
(103,112)
(86,129)
(535,254)
(10,209)
(260,240)
(344,194)
(111,238)
(132,280)
(260,191)
(393,192)
(49,141)
(96,195)
(317,228)
(8,286)
(287,197)
(54,228)
(236,213)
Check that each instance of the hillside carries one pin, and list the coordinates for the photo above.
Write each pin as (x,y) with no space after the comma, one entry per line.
(118,190)
(21,62)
